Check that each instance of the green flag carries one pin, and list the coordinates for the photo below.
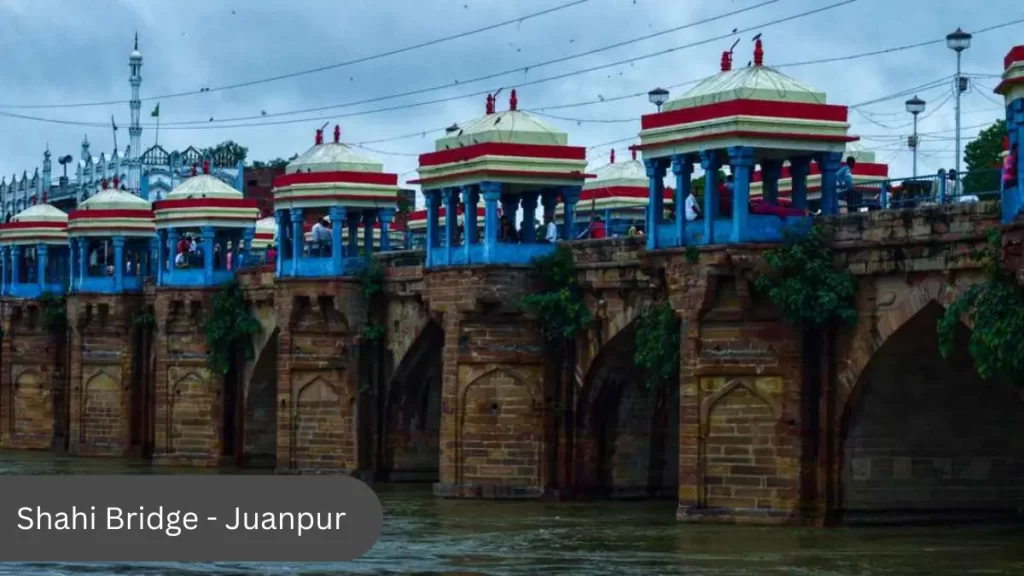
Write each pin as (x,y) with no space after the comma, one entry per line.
(156,111)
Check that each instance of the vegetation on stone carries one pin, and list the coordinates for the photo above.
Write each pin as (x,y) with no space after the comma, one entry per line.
(805,286)
(995,309)
(230,328)
(372,280)
(981,157)
(54,312)
(657,344)
(558,304)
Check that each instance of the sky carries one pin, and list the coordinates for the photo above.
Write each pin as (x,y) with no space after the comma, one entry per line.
(60,52)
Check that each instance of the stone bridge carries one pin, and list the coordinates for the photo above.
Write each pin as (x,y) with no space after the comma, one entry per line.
(865,423)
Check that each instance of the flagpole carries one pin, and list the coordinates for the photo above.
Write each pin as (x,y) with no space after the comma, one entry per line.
(157,141)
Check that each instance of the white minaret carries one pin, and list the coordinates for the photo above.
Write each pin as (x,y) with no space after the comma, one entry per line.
(135,130)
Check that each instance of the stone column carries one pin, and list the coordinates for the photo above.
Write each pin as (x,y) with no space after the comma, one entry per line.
(246,252)
(655,198)
(298,235)
(280,220)
(799,168)
(369,219)
(433,200)
(451,216)
(3,270)
(386,215)
(118,263)
(771,171)
(15,264)
(570,196)
(829,165)
(42,253)
(492,193)
(710,162)
(338,215)
(72,256)
(682,168)
(470,198)
(741,159)
(154,257)
(208,238)
(528,230)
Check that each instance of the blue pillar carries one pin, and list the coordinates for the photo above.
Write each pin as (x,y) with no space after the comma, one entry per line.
(353,233)
(248,235)
(298,236)
(549,201)
(3,270)
(118,263)
(281,223)
(492,193)
(369,219)
(73,255)
(656,168)
(682,167)
(799,168)
(208,238)
(338,216)
(529,228)
(741,161)
(386,215)
(470,199)
(829,162)
(42,253)
(570,197)
(941,179)
(451,216)
(710,162)
(15,264)
(771,171)
(154,256)
(433,200)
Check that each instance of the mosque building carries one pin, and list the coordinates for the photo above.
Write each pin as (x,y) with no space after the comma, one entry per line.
(151,174)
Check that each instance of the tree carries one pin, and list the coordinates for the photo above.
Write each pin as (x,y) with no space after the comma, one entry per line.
(697,185)
(229,150)
(275,163)
(981,156)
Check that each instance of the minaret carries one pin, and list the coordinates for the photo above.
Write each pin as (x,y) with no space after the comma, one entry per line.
(135,130)
(47,171)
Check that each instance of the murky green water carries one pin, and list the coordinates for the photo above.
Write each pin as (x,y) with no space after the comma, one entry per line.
(427,536)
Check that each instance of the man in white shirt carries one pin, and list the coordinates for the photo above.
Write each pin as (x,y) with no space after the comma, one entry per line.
(321,236)
(692,208)
(551,231)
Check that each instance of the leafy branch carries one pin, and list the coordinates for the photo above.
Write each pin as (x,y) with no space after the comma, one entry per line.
(657,344)
(230,328)
(558,304)
(55,312)
(995,309)
(805,286)
(372,280)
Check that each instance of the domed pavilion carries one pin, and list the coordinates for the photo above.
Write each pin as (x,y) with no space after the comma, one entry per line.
(34,252)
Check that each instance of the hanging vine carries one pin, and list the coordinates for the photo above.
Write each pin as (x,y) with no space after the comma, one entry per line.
(54,313)
(559,303)
(995,309)
(143,318)
(230,328)
(372,280)
(657,344)
(805,286)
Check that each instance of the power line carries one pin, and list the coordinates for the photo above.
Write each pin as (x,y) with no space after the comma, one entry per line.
(200,124)
(318,69)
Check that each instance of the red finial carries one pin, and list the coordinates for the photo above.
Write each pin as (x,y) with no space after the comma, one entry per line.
(613,155)
(206,166)
(319,137)
(633,151)
(337,133)
(195,170)
(758,53)
(103,183)
(490,104)
(513,102)
(726,61)
(116,182)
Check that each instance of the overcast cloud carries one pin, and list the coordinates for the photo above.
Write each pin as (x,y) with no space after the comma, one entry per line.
(67,51)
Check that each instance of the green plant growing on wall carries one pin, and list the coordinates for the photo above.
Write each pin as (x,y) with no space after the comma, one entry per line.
(372,280)
(805,286)
(657,344)
(995,309)
(558,304)
(143,318)
(230,328)
(54,313)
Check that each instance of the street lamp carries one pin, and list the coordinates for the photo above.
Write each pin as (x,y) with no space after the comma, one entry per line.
(915,106)
(658,96)
(958,41)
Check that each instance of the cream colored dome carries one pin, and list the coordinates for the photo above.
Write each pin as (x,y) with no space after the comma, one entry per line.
(115,200)
(40,213)
(203,186)
(750,83)
(630,173)
(333,157)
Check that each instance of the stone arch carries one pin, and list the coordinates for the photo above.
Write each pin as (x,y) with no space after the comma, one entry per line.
(191,412)
(626,441)
(102,411)
(708,406)
(412,412)
(924,437)
(259,426)
(613,312)
(323,426)
(33,410)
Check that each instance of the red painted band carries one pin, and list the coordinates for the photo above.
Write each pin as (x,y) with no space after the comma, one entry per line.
(1016,54)
(508,173)
(749,134)
(744,107)
(22,225)
(338,177)
(83,214)
(390,198)
(204,203)
(465,153)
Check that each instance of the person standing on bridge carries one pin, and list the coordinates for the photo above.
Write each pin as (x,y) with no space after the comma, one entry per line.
(844,182)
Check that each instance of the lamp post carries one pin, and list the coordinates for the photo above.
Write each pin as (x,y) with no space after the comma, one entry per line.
(958,41)
(658,96)
(915,106)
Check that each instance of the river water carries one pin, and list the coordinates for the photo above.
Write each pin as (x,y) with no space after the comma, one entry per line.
(425,536)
